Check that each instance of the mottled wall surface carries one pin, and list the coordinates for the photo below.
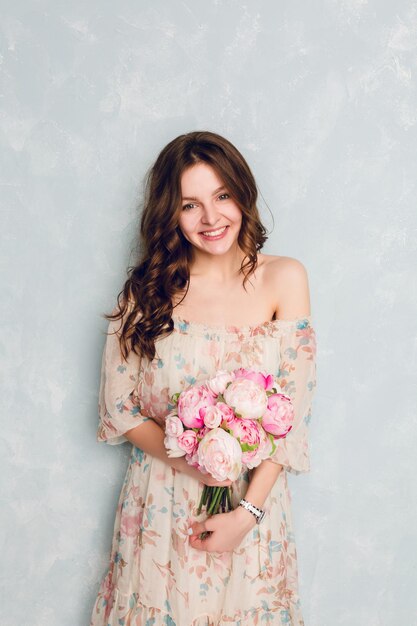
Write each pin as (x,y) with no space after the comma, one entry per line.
(321,98)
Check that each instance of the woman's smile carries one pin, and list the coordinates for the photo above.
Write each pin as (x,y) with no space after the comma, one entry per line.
(214,234)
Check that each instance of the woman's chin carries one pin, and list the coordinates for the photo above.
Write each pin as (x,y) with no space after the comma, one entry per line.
(216,250)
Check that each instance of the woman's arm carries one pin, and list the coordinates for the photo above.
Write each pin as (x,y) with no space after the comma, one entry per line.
(261,482)
(120,413)
(289,280)
(149,437)
(228,529)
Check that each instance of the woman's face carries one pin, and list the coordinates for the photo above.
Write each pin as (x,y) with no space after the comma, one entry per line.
(210,219)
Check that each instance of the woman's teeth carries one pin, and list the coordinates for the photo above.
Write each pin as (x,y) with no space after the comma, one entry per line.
(215,233)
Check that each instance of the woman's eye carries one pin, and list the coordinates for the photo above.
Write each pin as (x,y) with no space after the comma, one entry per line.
(188,206)
(224,196)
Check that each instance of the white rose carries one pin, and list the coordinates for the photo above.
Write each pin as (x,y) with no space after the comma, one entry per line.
(212,416)
(247,398)
(220,454)
(173,426)
(218,383)
(172,448)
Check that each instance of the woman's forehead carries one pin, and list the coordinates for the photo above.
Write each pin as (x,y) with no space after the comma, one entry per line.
(200,178)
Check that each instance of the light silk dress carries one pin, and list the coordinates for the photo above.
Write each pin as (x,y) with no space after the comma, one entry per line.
(154,577)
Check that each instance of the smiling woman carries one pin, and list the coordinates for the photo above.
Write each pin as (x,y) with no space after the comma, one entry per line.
(182,204)
(202,298)
(212,215)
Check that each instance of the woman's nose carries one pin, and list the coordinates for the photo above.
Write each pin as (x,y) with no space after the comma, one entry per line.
(210,215)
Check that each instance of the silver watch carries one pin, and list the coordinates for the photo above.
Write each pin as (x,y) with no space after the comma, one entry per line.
(258,513)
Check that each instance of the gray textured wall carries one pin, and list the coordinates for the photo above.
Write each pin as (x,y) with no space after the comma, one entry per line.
(321,98)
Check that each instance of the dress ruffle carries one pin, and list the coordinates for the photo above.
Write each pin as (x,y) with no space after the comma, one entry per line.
(124,610)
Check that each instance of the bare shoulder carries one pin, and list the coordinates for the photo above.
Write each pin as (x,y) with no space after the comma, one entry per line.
(284,269)
(287,278)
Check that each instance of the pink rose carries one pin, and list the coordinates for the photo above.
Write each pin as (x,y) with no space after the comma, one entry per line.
(192,459)
(252,458)
(190,402)
(266,381)
(247,398)
(220,454)
(188,441)
(173,425)
(201,432)
(212,416)
(279,415)
(250,434)
(172,448)
(218,383)
(226,411)
(246,431)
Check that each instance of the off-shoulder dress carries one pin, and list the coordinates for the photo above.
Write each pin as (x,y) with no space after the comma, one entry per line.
(154,577)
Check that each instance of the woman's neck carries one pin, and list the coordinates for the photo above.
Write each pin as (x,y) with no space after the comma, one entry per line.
(220,268)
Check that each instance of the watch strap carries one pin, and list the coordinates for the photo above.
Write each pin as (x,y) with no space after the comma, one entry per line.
(258,513)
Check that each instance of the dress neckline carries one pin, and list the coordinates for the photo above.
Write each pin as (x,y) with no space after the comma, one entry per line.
(269,327)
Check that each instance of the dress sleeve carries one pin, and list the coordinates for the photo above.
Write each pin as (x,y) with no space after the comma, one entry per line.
(297,377)
(118,404)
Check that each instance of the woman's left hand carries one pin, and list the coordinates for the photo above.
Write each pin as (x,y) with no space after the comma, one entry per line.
(226,531)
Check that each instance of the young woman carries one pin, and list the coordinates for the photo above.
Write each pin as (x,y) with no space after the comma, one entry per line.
(202,298)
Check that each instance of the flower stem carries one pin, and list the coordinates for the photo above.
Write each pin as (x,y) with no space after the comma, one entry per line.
(202,499)
(216,500)
(213,498)
(207,489)
(229,499)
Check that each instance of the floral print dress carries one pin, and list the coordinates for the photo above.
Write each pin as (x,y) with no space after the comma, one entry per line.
(154,577)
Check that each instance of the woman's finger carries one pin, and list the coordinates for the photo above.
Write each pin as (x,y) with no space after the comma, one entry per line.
(198,544)
(211,523)
(207,525)
(197,528)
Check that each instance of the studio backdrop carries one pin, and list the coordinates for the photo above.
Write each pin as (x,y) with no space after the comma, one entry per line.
(321,98)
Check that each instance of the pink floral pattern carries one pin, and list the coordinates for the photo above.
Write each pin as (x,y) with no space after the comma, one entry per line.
(154,578)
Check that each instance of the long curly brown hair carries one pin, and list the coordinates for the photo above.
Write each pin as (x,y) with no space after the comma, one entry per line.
(145,304)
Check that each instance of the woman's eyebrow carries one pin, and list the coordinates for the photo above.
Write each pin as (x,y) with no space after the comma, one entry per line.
(214,193)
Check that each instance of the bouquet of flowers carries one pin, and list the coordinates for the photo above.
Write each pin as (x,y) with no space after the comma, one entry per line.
(227,423)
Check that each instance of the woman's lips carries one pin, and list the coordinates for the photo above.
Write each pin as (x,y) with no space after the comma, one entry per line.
(215,237)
